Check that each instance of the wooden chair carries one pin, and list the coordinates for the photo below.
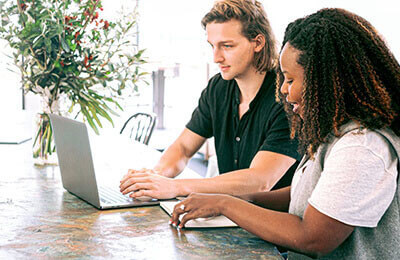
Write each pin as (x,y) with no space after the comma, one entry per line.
(140,126)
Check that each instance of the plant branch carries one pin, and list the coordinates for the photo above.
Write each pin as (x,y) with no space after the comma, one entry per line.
(90,16)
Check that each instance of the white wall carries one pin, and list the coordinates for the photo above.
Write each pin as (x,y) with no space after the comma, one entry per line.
(171,32)
(384,15)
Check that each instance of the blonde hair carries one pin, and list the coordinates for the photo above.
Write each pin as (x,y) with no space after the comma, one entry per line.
(251,14)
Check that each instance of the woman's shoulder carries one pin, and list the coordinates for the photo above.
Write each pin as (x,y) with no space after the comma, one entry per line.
(362,137)
(366,142)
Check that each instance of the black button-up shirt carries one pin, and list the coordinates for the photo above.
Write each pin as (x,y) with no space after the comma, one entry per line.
(264,127)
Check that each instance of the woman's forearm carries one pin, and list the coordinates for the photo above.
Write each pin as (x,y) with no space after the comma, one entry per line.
(276,200)
(276,227)
(315,234)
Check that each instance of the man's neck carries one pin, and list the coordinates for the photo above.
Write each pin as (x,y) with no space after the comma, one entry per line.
(249,85)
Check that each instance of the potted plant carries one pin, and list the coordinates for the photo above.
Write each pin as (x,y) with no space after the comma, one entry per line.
(64,48)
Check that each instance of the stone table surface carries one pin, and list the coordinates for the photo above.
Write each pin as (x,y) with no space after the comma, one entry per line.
(39,219)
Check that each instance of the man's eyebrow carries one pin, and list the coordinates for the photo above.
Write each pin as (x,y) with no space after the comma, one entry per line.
(222,42)
(228,41)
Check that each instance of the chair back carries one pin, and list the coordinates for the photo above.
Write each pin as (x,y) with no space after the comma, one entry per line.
(140,126)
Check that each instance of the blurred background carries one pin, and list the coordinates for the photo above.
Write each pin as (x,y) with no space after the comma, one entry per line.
(179,59)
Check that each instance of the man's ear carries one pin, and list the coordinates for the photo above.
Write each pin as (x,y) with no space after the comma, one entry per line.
(259,41)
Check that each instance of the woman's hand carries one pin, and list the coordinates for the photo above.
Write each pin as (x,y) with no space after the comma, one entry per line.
(198,205)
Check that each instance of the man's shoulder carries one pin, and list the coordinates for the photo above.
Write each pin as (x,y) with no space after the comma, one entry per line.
(269,82)
(217,81)
(218,86)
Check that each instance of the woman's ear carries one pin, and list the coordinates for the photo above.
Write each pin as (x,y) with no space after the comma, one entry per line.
(259,41)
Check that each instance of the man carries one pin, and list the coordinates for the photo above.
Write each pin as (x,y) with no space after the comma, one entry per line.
(238,108)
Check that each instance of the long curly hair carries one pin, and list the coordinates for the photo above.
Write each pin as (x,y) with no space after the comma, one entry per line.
(349,74)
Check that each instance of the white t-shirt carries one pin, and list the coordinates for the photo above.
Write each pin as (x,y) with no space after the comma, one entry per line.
(359,179)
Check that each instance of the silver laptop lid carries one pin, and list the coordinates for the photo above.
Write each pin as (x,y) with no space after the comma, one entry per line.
(75,158)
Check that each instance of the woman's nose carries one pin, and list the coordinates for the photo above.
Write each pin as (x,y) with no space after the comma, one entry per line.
(284,89)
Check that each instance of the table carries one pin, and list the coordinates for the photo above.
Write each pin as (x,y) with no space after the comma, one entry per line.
(39,219)
(18,128)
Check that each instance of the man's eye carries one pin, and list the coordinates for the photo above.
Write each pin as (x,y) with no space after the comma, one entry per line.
(228,46)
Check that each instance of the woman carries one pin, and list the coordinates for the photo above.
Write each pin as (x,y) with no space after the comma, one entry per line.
(341,85)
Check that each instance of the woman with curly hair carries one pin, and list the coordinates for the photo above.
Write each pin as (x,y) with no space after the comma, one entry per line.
(341,87)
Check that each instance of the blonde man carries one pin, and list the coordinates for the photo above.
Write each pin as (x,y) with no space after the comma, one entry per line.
(237,108)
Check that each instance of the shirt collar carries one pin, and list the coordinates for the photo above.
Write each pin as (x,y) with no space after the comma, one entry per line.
(269,76)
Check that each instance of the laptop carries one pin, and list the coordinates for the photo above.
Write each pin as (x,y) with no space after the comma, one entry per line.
(78,172)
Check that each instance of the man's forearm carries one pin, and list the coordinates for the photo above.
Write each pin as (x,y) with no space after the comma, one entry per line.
(171,163)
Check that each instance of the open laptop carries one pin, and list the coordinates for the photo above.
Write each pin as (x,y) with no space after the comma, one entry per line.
(77,169)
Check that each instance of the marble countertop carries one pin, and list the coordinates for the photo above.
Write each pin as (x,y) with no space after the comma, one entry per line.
(40,219)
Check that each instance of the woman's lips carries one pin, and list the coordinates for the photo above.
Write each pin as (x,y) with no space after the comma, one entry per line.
(295,108)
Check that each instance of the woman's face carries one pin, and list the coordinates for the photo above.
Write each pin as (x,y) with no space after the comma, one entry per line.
(292,87)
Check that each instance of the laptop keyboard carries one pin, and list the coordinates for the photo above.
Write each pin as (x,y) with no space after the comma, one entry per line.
(112,196)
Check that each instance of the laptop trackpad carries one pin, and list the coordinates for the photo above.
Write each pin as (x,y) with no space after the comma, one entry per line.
(145,198)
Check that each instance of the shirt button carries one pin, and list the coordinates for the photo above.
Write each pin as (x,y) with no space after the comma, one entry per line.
(236,161)
(238,138)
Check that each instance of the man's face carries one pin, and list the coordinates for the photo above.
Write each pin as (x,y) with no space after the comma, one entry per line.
(232,51)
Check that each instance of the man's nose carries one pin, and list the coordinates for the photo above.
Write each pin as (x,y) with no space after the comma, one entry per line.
(218,58)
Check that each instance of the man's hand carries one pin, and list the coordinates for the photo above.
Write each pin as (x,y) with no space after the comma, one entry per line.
(198,205)
(146,182)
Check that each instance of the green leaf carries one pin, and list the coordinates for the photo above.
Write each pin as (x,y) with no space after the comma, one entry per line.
(37,135)
(37,38)
(48,140)
(65,45)
(104,114)
(71,107)
(94,115)
(46,42)
(89,119)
